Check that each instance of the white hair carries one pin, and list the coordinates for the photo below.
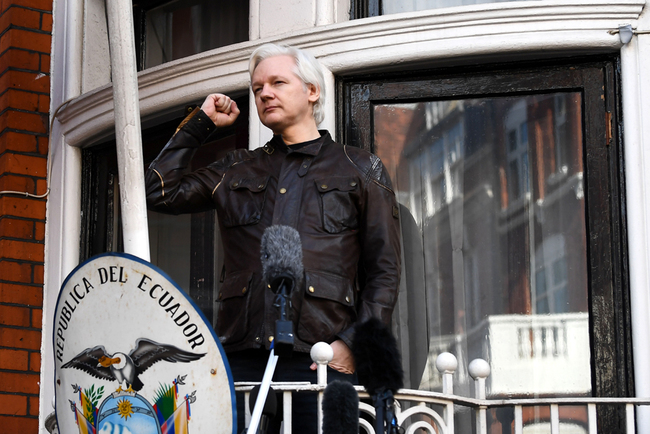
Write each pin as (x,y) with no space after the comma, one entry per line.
(308,69)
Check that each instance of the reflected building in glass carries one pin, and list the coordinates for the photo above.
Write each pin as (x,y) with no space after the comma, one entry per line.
(493,191)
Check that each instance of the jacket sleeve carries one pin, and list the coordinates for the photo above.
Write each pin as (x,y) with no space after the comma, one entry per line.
(171,187)
(380,260)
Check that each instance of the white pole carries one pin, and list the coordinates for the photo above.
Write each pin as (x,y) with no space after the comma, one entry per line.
(127,128)
(635,63)
(263,393)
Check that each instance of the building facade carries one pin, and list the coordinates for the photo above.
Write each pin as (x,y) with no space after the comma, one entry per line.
(24,89)
(513,133)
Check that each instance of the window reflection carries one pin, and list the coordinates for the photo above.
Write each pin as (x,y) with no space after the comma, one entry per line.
(396,6)
(181,28)
(494,225)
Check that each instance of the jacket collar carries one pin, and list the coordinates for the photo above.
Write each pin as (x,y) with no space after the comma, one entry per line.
(311,147)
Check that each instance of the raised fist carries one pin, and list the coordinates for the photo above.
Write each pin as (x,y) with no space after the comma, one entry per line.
(221,109)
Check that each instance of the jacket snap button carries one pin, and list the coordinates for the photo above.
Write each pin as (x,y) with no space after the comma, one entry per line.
(236,184)
(283,190)
(258,339)
(353,184)
(243,291)
(260,186)
(347,299)
(324,186)
(220,295)
(311,289)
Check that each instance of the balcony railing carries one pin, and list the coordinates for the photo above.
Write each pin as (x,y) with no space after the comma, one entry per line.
(415,408)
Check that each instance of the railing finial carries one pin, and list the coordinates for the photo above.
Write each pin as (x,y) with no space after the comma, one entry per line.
(446,363)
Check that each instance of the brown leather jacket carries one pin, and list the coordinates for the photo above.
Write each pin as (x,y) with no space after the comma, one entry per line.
(339,199)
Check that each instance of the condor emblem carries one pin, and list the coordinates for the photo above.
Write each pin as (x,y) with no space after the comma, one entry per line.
(133,355)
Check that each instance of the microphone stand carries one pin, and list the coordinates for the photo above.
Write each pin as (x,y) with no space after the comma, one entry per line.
(264,391)
(283,342)
(385,422)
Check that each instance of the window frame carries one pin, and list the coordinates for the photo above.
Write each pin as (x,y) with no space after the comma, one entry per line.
(607,256)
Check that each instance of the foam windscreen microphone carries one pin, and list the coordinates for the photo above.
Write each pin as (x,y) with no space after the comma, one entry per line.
(376,357)
(282,270)
(340,408)
(379,369)
(269,410)
(281,255)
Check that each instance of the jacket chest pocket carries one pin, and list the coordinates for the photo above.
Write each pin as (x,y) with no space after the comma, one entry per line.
(338,200)
(242,200)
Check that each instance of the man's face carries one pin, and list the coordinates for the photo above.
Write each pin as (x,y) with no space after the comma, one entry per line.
(282,99)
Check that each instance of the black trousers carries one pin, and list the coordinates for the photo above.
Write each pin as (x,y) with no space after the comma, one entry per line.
(249,365)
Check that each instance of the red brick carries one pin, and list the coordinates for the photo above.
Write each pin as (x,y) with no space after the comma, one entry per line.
(44,103)
(46,24)
(14,405)
(22,207)
(14,360)
(35,362)
(15,316)
(13,141)
(33,406)
(24,121)
(19,38)
(29,81)
(38,276)
(43,143)
(37,316)
(12,424)
(21,184)
(18,338)
(23,164)
(20,59)
(14,272)
(23,382)
(18,99)
(41,187)
(22,250)
(44,5)
(45,63)
(39,231)
(14,228)
(20,17)
(21,294)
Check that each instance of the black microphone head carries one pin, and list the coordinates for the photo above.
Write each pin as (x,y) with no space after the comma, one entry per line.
(270,405)
(340,408)
(376,357)
(281,254)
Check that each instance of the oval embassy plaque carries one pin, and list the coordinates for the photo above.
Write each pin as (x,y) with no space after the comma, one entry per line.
(134,355)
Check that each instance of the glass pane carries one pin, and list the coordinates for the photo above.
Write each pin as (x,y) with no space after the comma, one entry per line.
(396,6)
(494,237)
(182,28)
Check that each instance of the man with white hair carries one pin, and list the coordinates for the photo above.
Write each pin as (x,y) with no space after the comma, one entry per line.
(338,198)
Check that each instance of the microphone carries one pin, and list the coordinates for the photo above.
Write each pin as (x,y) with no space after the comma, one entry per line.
(379,369)
(269,410)
(340,408)
(281,251)
(282,270)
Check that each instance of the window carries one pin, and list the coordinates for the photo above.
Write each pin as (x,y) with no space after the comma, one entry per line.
(185,246)
(511,222)
(170,30)
(371,8)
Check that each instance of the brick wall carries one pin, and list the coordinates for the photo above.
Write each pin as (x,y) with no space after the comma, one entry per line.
(25,38)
